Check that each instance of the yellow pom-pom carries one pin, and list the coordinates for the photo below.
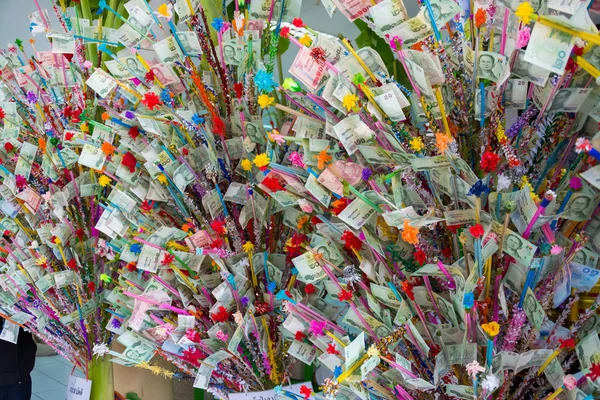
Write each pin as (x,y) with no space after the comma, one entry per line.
(416,144)
(104,180)
(262,160)
(524,12)
(163,179)
(246,164)
(265,101)
(349,101)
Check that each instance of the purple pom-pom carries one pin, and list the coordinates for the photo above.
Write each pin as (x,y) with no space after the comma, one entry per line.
(366,174)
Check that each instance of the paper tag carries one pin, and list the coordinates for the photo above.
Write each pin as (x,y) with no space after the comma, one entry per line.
(78,388)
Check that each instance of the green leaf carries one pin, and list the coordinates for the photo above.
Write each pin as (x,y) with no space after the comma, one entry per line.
(283,45)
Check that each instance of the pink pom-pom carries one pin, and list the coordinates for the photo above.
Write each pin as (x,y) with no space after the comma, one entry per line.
(555,250)
(523,37)
(296,159)
(575,183)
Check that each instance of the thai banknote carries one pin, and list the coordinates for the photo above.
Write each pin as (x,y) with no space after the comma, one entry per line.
(549,48)
(588,350)
(528,71)
(388,14)
(564,100)
(353,9)
(10,332)
(533,309)
(261,9)
(515,93)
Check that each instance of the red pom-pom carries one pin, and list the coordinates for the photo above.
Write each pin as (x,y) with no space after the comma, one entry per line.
(420,256)
(134,132)
(407,288)
(489,161)
(218,226)
(305,391)
(129,161)
(351,241)
(284,32)
(476,231)
(8,146)
(168,259)
(238,87)
(309,289)
(151,100)
(345,295)
(220,316)
(272,183)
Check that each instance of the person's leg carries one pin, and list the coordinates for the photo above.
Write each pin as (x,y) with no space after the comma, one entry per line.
(15,392)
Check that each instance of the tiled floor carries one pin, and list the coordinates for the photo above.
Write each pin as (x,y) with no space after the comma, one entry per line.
(50,378)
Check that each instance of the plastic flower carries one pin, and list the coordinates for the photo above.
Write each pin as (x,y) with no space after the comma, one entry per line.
(331,349)
(345,295)
(490,383)
(409,233)
(373,351)
(100,349)
(284,32)
(523,37)
(478,189)
(476,231)
(594,372)
(264,81)
(567,343)
(291,85)
(163,179)
(218,24)
(480,18)
(246,164)
(165,11)
(420,256)
(108,149)
(305,391)
(104,180)
(492,328)
(575,183)
(469,300)
(556,249)
(474,368)
(489,160)
(416,144)
(262,160)
(151,100)
(323,158)
(524,11)
(351,242)
(350,101)
(221,315)
(298,23)
(504,182)
(265,101)
(305,40)
(248,247)
(129,161)
(442,141)
(317,328)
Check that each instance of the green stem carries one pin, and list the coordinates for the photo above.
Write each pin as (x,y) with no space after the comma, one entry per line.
(101,375)
(92,48)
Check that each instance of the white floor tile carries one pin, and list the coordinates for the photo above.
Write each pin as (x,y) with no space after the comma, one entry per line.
(42,382)
(56,394)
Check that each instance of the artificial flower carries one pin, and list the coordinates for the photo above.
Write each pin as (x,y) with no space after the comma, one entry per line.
(305,40)
(473,368)
(317,328)
(575,183)
(373,351)
(291,85)
(305,391)
(104,180)
(151,100)
(504,182)
(442,141)
(523,12)
(309,289)
(468,300)
(490,382)
(262,160)
(162,178)
(416,144)
(129,161)
(345,295)
(165,11)
(489,161)
(570,382)
(523,37)
(480,17)
(323,158)
(246,164)
(272,183)
(476,231)
(108,149)
(248,247)
(265,100)
(492,328)
(351,242)
(420,257)
(409,233)
(478,189)
(350,101)
(264,81)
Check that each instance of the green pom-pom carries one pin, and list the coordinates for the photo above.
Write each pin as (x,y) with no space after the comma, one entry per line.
(54,141)
(358,79)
